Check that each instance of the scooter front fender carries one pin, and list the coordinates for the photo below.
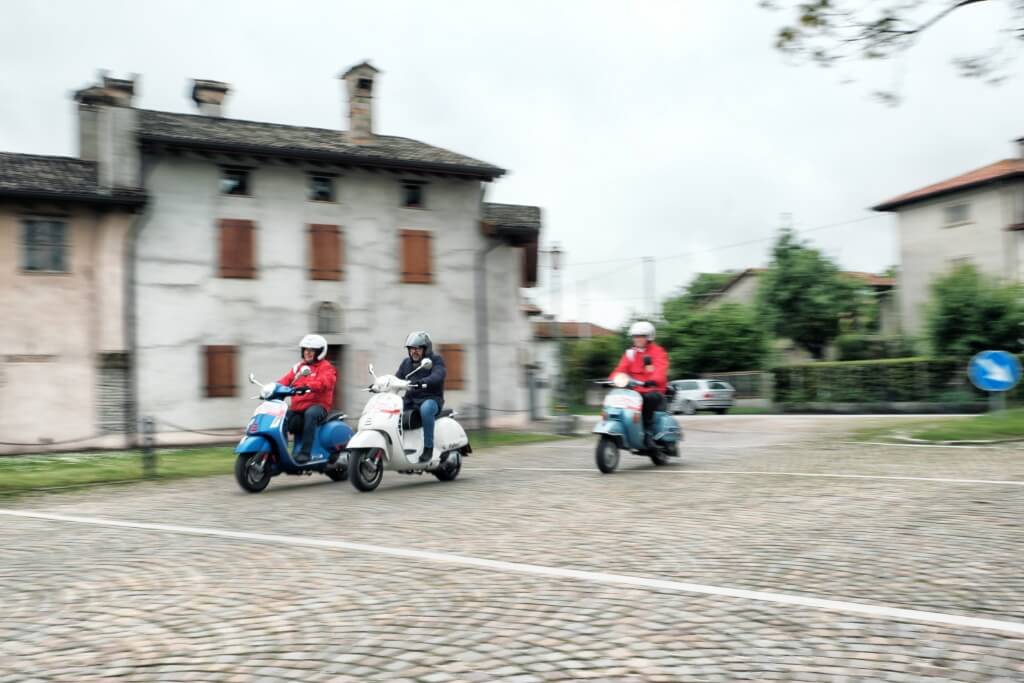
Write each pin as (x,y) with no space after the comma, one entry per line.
(253,444)
(614,429)
(370,439)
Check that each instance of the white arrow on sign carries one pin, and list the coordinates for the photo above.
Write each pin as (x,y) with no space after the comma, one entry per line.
(994,371)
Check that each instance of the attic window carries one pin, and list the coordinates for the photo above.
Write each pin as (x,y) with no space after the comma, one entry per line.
(412,195)
(235,181)
(956,214)
(365,84)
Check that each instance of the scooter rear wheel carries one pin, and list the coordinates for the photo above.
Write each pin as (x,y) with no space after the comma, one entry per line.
(449,471)
(252,472)
(366,468)
(606,455)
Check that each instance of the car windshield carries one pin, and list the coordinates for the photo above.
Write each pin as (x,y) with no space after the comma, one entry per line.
(719,386)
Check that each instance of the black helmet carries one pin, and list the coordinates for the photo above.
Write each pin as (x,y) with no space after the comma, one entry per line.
(420,339)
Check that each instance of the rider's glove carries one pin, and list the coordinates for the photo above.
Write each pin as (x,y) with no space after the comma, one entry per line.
(650,383)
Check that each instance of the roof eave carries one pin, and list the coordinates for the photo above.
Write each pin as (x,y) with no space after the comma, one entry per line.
(898,203)
(481,172)
(133,201)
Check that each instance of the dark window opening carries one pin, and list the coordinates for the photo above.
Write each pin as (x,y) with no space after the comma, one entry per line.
(44,246)
(327,318)
(365,84)
(412,196)
(321,188)
(235,181)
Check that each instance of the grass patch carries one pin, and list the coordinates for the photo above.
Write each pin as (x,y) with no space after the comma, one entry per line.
(20,474)
(751,410)
(33,472)
(1006,424)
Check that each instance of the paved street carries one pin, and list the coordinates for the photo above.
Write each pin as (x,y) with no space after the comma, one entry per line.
(699,571)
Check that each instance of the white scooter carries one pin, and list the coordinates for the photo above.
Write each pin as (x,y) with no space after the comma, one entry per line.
(390,437)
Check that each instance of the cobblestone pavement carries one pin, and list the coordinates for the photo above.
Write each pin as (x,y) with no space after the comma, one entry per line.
(87,602)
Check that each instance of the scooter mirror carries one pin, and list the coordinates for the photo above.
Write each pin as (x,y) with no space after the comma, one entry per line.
(426,364)
(252,378)
(621,380)
(372,373)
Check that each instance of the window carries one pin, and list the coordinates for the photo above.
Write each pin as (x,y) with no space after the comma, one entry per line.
(719,386)
(237,249)
(44,246)
(326,252)
(956,214)
(235,181)
(327,318)
(321,188)
(453,362)
(412,195)
(365,84)
(220,371)
(528,277)
(416,257)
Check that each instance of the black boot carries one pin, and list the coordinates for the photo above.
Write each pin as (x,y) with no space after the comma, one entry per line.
(428,454)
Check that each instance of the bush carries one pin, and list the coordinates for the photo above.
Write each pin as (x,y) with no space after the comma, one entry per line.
(851,347)
(874,381)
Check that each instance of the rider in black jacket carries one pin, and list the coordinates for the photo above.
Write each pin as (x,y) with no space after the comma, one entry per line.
(427,400)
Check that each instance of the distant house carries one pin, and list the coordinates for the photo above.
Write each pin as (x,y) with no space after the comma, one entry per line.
(976,217)
(742,289)
(546,366)
(64,237)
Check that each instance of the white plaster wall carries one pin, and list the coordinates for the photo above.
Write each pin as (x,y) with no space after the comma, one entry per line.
(184,305)
(928,249)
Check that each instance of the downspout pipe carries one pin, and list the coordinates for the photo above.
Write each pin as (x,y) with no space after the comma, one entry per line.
(131,317)
(483,365)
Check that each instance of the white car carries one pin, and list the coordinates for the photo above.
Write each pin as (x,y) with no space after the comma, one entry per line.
(692,395)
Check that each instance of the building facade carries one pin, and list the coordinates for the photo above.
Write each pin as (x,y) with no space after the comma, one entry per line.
(976,217)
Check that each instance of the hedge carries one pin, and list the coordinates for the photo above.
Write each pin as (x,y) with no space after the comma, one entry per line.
(876,381)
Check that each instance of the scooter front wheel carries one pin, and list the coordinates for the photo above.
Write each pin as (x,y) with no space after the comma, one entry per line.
(607,455)
(450,468)
(252,472)
(366,468)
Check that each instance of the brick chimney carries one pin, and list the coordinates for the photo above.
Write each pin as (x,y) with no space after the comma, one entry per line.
(359,83)
(107,123)
(209,96)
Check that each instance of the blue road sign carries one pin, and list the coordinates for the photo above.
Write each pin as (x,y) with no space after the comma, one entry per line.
(994,370)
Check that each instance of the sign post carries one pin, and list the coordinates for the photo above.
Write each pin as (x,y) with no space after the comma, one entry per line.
(995,372)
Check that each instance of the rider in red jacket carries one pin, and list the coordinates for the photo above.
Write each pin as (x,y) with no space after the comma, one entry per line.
(648,363)
(314,380)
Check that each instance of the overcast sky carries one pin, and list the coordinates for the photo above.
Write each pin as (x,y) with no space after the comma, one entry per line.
(664,129)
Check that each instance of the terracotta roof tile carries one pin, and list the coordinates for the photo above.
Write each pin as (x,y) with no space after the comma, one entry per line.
(1007,168)
(33,176)
(570,330)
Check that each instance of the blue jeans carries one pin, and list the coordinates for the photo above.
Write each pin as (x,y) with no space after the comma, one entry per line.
(428,413)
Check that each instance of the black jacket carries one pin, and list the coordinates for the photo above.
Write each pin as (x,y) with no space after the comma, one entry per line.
(434,379)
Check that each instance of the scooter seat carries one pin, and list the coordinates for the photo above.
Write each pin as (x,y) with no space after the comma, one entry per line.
(411,418)
(335,415)
(446,412)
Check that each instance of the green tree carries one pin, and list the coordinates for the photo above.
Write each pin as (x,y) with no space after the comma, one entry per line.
(803,296)
(969,313)
(725,338)
(696,293)
(827,32)
(589,359)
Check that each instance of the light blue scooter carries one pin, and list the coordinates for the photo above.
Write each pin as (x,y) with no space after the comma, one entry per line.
(621,427)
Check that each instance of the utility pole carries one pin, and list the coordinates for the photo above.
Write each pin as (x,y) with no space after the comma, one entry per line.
(581,298)
(648,264)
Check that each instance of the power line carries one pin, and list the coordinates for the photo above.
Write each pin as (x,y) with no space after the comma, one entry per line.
(702,250)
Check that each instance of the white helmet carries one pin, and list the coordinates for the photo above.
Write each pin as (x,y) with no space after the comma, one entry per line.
(642,328)
(315,342)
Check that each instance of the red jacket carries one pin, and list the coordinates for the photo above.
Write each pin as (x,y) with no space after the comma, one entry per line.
(321,382)
(632,364)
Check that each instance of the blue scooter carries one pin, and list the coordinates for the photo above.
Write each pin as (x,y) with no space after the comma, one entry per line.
(263,452)
(621,427)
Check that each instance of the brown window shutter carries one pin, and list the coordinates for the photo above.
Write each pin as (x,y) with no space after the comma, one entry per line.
(453,355)
(237,248)
(417,266)
(529,277)
(220,371)
(326,252)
